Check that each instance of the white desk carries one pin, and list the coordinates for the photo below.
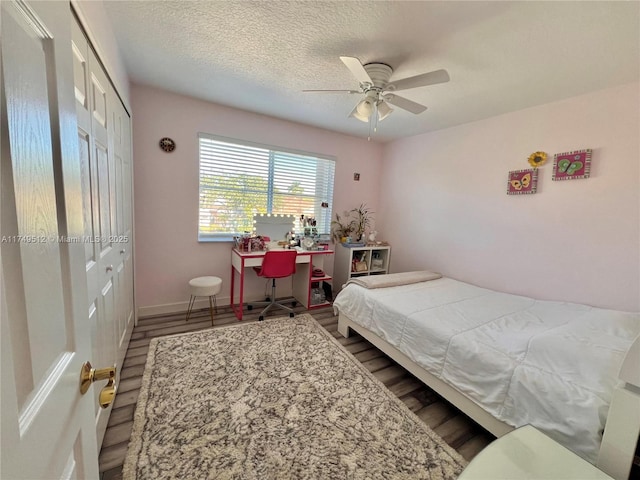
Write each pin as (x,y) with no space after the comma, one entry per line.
(306,261)
(527,453)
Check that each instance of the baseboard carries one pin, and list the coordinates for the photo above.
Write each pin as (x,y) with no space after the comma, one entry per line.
(178,307)
(181,307)
(166,309)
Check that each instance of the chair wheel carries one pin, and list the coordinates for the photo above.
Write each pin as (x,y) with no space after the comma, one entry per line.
(291,315)
(294,303)
(261,318)
(267,299)
(249,307)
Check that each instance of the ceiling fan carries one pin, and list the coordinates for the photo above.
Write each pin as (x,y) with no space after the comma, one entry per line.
(375,85)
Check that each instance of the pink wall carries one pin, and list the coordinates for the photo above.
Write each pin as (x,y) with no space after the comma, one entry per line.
(444,204)
(167,252)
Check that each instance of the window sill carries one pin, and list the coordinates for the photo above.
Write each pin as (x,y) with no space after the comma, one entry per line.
(202,239)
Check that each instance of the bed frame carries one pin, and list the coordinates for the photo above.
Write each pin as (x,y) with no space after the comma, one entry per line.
(623,421)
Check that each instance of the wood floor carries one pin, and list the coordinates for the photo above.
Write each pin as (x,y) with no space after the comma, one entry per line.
(455,428)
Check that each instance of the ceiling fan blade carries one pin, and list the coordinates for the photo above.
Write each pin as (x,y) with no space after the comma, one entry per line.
(431,78)
(333,91)
(357,69)
(405,104)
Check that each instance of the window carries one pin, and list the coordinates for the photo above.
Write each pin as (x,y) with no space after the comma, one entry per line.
(240,179)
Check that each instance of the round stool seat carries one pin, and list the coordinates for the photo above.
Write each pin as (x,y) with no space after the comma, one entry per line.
(205,286)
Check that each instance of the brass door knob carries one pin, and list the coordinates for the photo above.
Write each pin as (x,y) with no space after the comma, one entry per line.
(107,393)
(88,375)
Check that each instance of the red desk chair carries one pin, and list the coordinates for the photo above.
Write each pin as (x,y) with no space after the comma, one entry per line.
(276,264)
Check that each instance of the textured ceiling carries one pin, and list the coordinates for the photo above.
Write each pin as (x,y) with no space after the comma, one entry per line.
(259,56)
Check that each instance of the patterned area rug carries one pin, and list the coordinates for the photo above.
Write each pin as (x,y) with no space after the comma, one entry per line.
(279,399)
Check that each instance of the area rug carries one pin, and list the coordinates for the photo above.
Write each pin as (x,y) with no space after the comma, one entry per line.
(279,399)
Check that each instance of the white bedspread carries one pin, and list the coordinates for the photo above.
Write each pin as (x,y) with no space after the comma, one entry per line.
(549,364)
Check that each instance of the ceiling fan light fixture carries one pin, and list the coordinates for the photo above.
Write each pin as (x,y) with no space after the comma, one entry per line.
(365,107)
(384,110)
(354,113)
(357,115)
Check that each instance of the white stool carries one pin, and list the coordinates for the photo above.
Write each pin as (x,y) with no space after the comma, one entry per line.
(527,453)
(204,287)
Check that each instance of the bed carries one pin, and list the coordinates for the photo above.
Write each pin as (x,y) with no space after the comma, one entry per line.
(508,360)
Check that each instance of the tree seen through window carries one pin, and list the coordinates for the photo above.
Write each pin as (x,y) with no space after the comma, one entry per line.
(237,183)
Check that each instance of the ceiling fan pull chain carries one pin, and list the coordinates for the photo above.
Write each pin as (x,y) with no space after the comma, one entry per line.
(375,118)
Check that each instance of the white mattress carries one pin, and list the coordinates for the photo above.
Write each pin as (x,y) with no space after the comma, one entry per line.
(549,364)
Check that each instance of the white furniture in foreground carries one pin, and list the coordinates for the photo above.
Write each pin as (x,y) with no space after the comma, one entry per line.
(527,453)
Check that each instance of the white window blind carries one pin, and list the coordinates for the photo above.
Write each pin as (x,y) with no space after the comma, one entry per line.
(240,179)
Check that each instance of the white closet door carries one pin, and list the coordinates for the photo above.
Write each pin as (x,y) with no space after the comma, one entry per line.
(123,241)
(47,425)
(103,129)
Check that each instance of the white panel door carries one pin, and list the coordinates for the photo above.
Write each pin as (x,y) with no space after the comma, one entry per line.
(95,140)
(123,268)
(47,425)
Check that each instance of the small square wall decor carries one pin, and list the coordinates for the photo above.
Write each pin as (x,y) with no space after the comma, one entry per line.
(571,165)
(522,182)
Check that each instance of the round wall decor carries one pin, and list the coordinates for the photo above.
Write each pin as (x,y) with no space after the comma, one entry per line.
(167,144)
(537,159)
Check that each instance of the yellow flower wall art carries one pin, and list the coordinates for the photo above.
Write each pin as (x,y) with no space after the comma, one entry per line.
(537,159)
